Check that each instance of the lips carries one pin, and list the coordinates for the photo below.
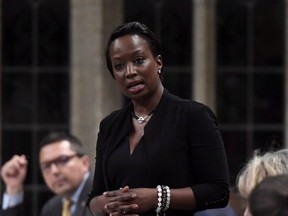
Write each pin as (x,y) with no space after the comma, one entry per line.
(135,86)
(59,182)
(134,83)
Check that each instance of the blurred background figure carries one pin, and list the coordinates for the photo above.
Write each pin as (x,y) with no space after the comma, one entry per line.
(65,169)
(260,167)
(269,197)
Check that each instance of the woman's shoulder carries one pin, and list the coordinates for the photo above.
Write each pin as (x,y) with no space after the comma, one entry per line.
(189,108)
(189,104)
(117,114)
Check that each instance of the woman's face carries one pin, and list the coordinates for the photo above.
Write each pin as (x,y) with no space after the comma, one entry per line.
(134,67)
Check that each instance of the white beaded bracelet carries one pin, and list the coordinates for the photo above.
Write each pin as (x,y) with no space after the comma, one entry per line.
(159,198)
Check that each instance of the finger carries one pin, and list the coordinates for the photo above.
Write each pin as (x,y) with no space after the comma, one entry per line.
(16,163)
(112,206)
(11,169)
(110,193)
(23,160)
(121,213)
(14,168)
(125,197)
(12,172)
(125,189)
(115,214)
(128,209)
(116,192)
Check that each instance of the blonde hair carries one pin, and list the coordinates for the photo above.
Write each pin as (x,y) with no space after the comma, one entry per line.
(260,167)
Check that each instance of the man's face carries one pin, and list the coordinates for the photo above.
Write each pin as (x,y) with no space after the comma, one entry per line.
(62,169)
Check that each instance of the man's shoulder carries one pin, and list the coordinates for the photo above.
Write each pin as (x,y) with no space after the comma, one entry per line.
(52,205)
(13,211)
(54,199)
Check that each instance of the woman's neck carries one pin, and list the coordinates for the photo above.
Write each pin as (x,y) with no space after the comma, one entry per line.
(148,104)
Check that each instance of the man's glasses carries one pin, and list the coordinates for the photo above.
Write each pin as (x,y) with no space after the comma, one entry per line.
(58,162)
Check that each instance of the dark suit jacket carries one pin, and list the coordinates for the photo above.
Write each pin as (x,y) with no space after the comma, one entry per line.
(15,211)
(185,149)
(53,207)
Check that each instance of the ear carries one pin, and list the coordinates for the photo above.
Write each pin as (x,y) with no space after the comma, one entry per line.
(86,161)
(159,62)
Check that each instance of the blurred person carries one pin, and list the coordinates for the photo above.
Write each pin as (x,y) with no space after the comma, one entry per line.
(270,197)
(160,154)
(65,169)
(259,167)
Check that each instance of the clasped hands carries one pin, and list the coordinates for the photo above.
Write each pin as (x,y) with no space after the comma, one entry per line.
(131,202)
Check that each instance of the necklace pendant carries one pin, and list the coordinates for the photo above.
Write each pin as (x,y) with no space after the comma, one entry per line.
(141,119)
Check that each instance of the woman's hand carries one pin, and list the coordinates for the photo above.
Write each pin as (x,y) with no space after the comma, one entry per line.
(121,202)
(146,198)
(130,201)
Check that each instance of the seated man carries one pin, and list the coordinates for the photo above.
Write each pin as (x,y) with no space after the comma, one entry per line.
(65,169)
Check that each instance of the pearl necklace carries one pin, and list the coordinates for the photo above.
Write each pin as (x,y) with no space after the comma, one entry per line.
(141,119)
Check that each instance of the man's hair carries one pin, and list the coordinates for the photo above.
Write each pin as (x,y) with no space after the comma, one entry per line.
(270,197)
(53,137)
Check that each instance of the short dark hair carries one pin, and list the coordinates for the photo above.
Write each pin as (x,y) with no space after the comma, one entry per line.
(128,29)
(270,197)
(58,136)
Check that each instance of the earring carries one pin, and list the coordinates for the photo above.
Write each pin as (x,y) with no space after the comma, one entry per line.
(159,71)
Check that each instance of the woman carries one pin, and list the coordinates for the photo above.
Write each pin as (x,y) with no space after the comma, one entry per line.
(159,154)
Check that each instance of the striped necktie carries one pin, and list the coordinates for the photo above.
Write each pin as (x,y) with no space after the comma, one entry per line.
(66,207)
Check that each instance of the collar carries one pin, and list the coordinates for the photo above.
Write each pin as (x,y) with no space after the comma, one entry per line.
(76,194)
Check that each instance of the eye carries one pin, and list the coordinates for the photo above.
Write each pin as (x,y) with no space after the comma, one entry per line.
(118,66)
(45,166)
(62,160)
(139,60)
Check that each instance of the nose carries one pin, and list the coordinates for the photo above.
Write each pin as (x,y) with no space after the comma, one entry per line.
(130,70)
(54,168)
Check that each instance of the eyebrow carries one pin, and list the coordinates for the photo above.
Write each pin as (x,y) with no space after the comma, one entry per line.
(137,52)
(48,161)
